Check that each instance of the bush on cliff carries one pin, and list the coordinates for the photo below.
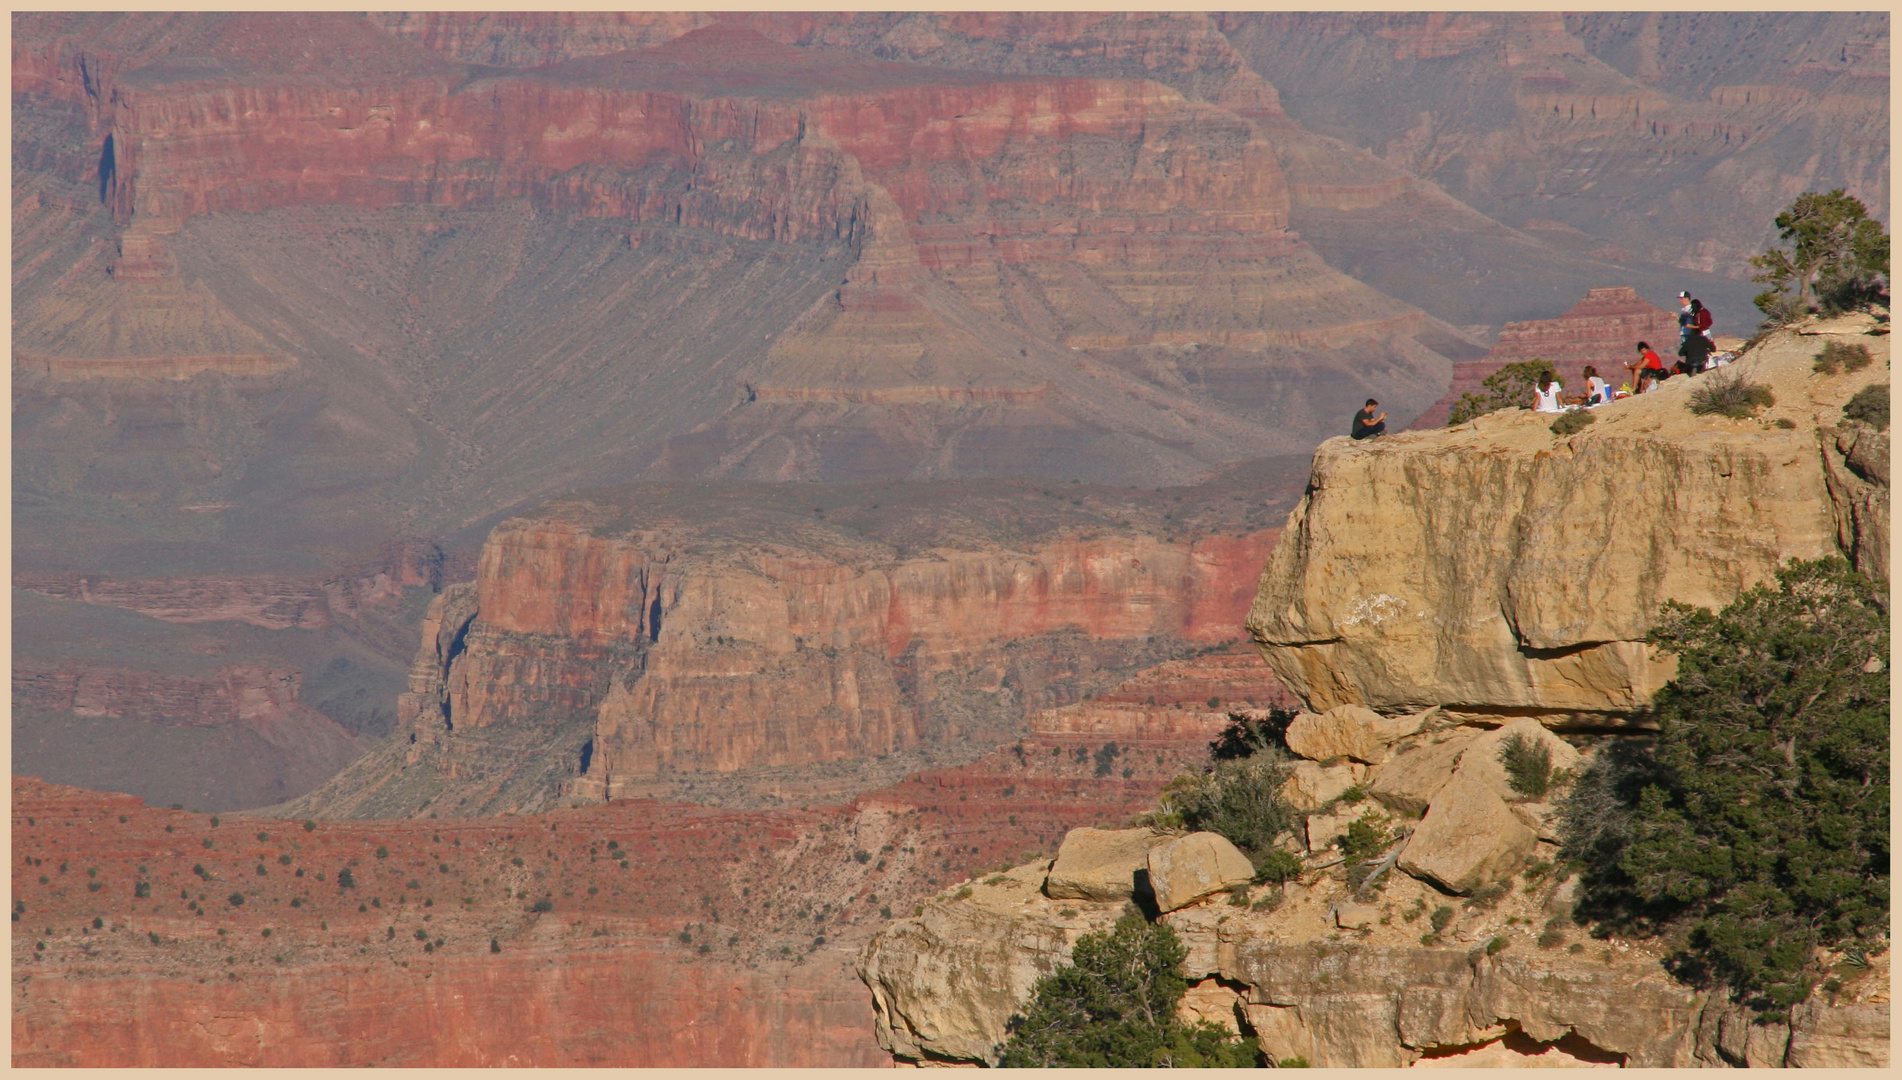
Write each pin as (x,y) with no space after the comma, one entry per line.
(1114,1006)
(1510,386)
(1728,394)
(1870,405)
(1758,826)
(1239,797)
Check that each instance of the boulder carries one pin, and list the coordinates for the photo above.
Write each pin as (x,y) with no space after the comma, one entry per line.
(1469,837)
(1352,916)
(1212,1001)
(1310,786)
(1349,731)
(1188,868)
(1416,773)
(1100,864)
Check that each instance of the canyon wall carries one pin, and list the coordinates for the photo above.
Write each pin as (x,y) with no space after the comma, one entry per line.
(627,639)
(1536,563)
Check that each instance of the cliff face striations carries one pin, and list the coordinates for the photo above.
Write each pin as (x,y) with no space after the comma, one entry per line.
(1498,569)
(625,640)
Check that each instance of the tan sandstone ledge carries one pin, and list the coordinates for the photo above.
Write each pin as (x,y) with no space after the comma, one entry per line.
(1496,569)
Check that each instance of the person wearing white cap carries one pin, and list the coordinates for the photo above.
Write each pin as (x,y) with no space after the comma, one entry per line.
(1684,317)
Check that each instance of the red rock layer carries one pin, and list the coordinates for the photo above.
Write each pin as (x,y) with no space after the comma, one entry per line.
(785,658)
(1601,330)
(679,935)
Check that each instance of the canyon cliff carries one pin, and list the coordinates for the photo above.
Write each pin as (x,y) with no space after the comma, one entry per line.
(631,641)
(1477,586)
(1497,569)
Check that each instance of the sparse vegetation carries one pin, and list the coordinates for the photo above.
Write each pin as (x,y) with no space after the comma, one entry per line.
(1728,393)
(1511,386)
(1114,1005)
(1837,355)
(1572,422)
(1528,764)
(1870,406)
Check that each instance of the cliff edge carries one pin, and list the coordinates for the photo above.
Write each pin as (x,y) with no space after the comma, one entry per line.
(1497,569)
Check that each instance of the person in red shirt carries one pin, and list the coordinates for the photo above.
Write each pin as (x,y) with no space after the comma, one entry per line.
(1647,366)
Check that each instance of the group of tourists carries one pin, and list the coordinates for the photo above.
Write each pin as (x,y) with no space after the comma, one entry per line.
(1697,352)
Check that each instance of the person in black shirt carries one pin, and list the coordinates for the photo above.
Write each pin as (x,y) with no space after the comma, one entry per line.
(1366,424)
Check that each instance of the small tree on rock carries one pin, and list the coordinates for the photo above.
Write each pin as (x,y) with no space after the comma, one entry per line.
(1114,1006)
(1512,385)
(1837,257)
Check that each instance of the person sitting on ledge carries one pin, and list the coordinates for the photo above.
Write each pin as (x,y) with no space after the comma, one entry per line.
(1366,424)
(1648,366)
(1547,398)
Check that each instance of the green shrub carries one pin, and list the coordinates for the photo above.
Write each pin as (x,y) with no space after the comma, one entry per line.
(382,851)
(1729,394)
(1528,764)
(1758,828)
(1496,945)
(1838,257)
(1441,918)
(1510,386)
(1238,798)
(1245,736)
(1366,836)
(1572,422)
(1277,866)
(543,906)
(1551,938)
(346,879)
(1839,355)
(141,890)
(236,899)
(1869,406)
(495,945)
(1292,1063)
(1114,1006)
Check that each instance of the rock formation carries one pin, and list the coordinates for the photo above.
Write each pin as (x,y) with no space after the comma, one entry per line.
(619,642)
(1601,330)
(1334,967)
(1536,563)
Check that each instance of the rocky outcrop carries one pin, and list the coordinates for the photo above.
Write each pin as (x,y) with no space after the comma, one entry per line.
(719,635)
(1537,563)
(1601,330)
(946,982)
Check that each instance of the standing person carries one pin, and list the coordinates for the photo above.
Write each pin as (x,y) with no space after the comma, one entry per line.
(1366,424)
(1684,316)
(1648,361)
(1700,318)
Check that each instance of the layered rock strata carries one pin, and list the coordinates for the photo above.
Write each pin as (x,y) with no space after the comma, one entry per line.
(1534,563)
(619,641)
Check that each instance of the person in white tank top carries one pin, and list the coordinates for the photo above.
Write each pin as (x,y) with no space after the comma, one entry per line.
(1547,395)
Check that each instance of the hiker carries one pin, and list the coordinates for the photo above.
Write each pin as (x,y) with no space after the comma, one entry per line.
(1546,398)
(1366,424)
(1648,362)
(1684,316)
